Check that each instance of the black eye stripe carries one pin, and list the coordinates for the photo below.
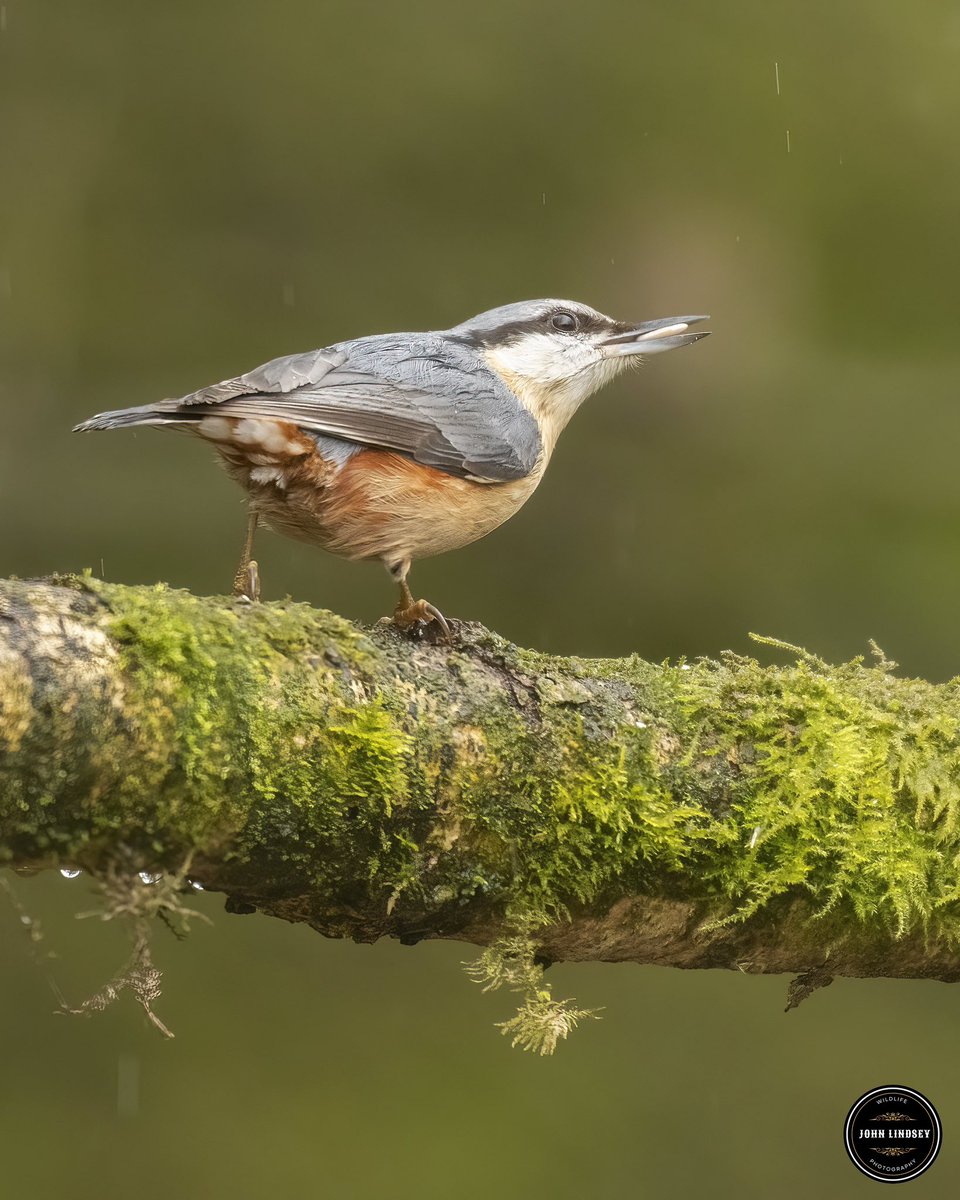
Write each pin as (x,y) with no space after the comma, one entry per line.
(543,322)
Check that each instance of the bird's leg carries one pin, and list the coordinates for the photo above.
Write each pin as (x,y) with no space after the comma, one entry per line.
(246,582)
(410,614)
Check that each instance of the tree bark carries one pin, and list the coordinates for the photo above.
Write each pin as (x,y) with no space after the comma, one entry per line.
(797,818)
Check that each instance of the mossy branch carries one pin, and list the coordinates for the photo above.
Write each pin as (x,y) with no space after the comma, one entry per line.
(799,818)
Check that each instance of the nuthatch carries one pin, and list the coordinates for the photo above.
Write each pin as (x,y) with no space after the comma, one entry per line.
(403,445)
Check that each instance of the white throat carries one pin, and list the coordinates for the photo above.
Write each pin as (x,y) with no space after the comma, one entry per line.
(553,377)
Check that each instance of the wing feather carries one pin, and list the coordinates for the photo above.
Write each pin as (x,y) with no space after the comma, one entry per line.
(410,393)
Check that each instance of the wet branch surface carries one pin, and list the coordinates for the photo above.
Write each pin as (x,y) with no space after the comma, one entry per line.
(789,818)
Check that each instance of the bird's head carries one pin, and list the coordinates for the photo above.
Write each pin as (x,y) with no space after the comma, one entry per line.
(553,354)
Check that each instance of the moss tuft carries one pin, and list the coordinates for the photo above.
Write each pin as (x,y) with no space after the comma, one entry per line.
(843,781)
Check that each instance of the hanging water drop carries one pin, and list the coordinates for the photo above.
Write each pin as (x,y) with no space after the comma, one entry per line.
(70,872)
(150,876)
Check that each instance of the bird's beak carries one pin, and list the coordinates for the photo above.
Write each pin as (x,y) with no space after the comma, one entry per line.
(653,337)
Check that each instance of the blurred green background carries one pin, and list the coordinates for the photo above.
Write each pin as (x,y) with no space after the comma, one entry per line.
(192,188)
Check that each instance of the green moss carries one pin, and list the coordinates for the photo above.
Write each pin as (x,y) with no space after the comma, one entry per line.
(842,781)
(230,726)
(749,783)
(559,818)
(382,779)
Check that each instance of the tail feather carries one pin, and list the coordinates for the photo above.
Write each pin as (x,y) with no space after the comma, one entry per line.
(144,415)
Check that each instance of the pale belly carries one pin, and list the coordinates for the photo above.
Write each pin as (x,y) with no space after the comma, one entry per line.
(383,506)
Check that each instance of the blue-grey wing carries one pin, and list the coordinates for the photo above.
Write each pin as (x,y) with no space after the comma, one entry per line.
(412,393)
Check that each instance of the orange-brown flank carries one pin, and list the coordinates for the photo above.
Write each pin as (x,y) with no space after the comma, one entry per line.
(376,504)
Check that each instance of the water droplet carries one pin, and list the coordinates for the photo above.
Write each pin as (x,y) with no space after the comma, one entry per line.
(150,876)
(70,872)
(197,887)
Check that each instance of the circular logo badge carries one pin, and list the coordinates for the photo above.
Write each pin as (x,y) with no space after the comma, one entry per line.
(892,1134)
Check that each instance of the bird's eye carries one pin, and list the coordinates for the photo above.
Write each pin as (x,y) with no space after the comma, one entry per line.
(565,321)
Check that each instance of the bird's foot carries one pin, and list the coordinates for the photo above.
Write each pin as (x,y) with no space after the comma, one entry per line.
(421,620)
(246,582)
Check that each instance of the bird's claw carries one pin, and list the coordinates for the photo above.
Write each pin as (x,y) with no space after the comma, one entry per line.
(246,583)
(417,619)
